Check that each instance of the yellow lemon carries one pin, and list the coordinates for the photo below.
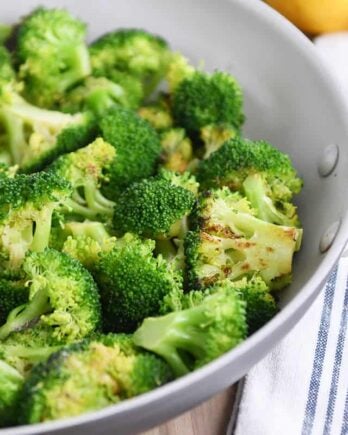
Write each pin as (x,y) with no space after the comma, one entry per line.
(314,16)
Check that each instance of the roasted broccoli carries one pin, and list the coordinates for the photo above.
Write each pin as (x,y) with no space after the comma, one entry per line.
(11,383)
(133,51)
(176,150)
(213,136)
(179,69)
(190,338)
(158,113)
(155,207)
(85,170)
(89,376)
(62,295)
(52,55)
(137,146)
(132,283)
(205,99)
(27,203)
(230,242)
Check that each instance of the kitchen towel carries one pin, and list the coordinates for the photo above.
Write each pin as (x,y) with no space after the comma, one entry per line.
(301,387)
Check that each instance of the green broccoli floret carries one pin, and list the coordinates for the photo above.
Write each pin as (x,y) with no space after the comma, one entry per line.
(179,69)
(5,32)
(7,171)
(11,383)
(213,136)
(7,73)
(176,150)
(133,51)
(208,99)
(52,55)
(155,207)
(96,95)
(238,158)
(85,170)
(193,337)
(62,295)
(86,241)
(158,113)
(132,283)
(35,137)
(27,203)
(12,294)
(231,242)
(89,376)
(137,146)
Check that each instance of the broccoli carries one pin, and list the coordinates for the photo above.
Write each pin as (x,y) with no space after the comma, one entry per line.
(132,283)
(213,136)
(230,242)
(62,296)
(26,206)
(7,73)
(85,170)
(176,150)
(156,207)
(238,158)
(204,99)
(137,146)
(89,376)
(86,241)
(158,113)
(190,338)
(133,51)
(11,383)
(179,69)
(12,294)
(5,32)
(96,95)
(52,55)
(35,136)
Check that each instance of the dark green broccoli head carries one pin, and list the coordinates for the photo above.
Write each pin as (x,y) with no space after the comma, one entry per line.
(238,158)
(85,169)
(27,203)
(132,283)
(204,99)
(51,50)
(137,148)
(231,242)
(154,207)
(88,376)
(134,51)
(193,337)
(62,296)
(12,294)
(11,383)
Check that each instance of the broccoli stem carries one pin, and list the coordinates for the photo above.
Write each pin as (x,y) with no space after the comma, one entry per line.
(95,200)
(22,316)
(42,230)
(74,207)
(31,354)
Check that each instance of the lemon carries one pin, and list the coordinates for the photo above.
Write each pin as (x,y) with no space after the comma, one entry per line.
(314,16)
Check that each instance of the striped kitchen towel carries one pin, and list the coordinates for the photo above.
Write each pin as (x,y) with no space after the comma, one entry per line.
(301,386)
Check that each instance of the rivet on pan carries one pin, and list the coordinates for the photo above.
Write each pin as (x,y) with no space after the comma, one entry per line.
(328,160)
(329,236)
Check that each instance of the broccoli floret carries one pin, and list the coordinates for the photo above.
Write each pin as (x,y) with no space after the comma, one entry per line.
(7,73)
(176,150)
(89,376)
(35,137)
(193,337)
(86,241)
(155,207)
(133,51)
(132,283)
(7,171)
(85,170)
(231,243)
(12,294)
(62,296)
(52,54)
(96,95)
(158,113)
(137,146)
(24,349)
(5,32)
(238,158)
(205,99)
(179,69)
(26,206)
(260,196)
(11,383)
(213,136)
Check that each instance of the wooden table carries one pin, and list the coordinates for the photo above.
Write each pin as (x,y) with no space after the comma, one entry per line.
(210,418)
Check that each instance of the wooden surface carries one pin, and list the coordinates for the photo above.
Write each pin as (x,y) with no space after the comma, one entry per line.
(210,418)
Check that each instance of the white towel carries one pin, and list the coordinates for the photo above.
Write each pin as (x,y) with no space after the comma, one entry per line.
(301,387)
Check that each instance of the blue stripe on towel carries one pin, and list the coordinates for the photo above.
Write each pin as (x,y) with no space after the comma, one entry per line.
(344,429)
(319,354)
(337,364)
